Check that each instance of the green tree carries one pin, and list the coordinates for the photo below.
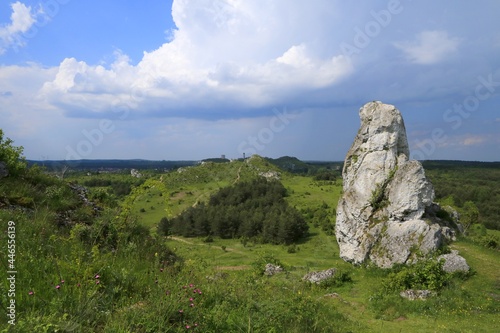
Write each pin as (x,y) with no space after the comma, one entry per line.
(469,215)
(11,156)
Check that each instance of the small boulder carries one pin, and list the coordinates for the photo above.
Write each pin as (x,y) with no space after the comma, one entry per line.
(412,294)
(272,269)
(317,277)
(454,262)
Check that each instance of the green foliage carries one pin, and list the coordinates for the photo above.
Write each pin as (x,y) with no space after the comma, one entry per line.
(460,182)
(339,279)
(253,210)
(120,188)
(11,155)
(259,264)
(487,238)
(113,276)
(469,215)
(326,175)
(322,216)
(427,274)
(164,226)
(378,198)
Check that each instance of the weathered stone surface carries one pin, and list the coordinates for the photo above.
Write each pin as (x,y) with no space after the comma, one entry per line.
(413,294)
(380,215)
(272,269)
(135,173)
(317,277)
(4,172)
(453,262)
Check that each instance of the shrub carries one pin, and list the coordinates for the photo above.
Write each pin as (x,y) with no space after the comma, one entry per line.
(427,274)
(11,156)
(337,280)
(164,227)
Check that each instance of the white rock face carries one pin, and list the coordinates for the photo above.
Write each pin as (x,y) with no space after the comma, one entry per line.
(454,262)
(380,214)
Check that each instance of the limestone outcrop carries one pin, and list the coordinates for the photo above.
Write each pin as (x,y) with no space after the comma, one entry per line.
(385,212)
(453,262)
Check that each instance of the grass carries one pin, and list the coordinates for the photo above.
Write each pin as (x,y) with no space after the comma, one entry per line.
(118,280)
(466,306)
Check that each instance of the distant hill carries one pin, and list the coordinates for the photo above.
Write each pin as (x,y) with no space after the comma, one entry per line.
(450,164)
(294,165)
(285,163)
(112,164)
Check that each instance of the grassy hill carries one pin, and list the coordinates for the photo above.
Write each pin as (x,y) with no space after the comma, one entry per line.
(91,261)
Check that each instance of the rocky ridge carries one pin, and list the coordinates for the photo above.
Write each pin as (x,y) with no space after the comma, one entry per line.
(386,213)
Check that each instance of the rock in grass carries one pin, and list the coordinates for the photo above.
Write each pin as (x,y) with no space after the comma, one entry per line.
(317,277)
(412,294)
(272,269)
(453,262)
(383,212)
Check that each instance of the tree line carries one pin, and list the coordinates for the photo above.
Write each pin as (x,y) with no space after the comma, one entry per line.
(461,183)
(253,210)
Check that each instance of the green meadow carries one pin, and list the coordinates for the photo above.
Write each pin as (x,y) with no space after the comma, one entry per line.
(109,270)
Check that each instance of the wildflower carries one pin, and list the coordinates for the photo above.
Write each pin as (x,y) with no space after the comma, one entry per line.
(97,276)
(181,311)
(195,324)
(31,293)
(78,284)
(97,282)
(199,292)
(191,305)
(62,281)
(188,327)
(191,285)
(58,287)
(161,269)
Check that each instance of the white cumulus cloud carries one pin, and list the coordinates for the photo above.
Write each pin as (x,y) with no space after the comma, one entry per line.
(429,47)
(22,19)
(223,52)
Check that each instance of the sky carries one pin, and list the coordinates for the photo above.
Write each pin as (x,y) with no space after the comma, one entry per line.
(194,79)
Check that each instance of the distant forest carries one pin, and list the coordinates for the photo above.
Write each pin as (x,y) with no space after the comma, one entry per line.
(456,182)
(254,210)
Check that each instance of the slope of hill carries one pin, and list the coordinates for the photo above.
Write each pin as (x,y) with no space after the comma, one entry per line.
(85,269)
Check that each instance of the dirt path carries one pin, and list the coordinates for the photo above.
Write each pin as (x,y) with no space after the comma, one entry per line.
(238,175)
(228,249)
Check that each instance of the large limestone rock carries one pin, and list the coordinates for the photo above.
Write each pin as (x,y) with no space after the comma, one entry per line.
(380,215)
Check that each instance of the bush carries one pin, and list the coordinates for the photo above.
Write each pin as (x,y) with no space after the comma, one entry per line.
(427,274)
(164,227)
(337,280)
(11,156)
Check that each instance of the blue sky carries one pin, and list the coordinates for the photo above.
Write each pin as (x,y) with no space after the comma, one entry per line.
(188,79)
